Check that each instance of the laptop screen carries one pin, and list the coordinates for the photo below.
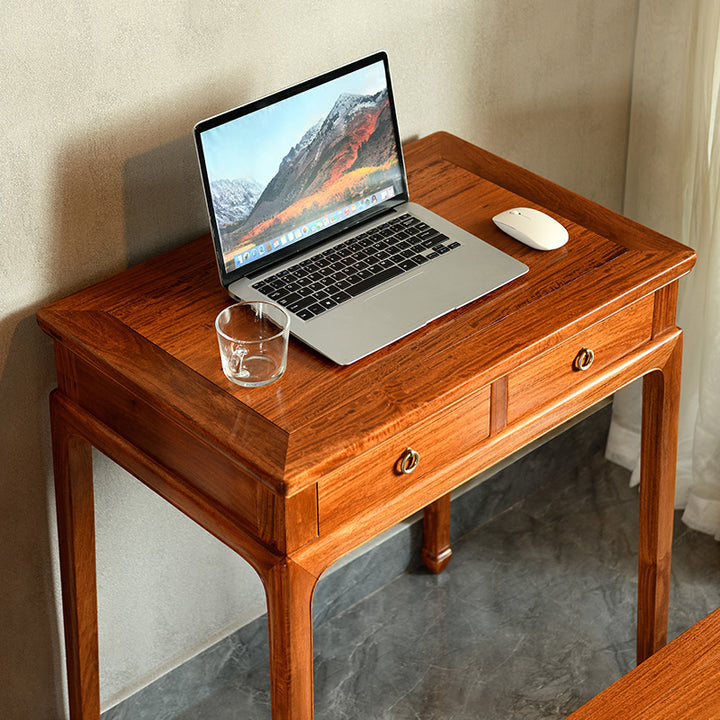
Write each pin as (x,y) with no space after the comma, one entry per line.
(294,168)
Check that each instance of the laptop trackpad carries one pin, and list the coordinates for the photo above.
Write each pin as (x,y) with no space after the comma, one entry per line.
(381,317)
(389,287)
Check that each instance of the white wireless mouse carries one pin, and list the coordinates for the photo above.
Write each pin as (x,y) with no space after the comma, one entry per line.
(532,227)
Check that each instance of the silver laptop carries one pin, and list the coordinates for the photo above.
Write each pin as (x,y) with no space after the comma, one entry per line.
(308,204)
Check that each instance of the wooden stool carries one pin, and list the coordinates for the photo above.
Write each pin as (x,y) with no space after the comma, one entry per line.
(679,682)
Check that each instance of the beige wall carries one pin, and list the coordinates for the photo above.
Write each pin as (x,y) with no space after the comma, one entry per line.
(98,100)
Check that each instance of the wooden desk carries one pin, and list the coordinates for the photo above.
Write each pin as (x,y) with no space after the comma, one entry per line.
(294,475)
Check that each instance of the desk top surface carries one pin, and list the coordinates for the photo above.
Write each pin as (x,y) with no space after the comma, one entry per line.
(151,328)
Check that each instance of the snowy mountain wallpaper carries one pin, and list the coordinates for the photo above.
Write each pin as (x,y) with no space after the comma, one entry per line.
(350,152)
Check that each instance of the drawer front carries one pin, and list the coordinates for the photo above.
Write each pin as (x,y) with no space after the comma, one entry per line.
(376,476)
(565,367)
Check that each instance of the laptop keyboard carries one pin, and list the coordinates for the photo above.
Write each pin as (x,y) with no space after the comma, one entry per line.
(321,282)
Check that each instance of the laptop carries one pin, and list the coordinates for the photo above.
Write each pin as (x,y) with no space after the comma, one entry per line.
(309,208)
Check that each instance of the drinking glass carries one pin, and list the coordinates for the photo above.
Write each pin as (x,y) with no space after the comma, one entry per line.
(253,340)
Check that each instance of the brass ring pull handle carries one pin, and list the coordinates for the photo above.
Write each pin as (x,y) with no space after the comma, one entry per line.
(584,359)
(409,460)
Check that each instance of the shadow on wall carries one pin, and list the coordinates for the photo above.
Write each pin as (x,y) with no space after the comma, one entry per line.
(562,141)
(116,209)
(557,100)
(111,206)
(30,654)
(163,200)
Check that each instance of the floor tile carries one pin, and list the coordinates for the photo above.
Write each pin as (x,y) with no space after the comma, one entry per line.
(534,615)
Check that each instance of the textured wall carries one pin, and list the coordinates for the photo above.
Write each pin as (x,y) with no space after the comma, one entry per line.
(653,195)
(98,101)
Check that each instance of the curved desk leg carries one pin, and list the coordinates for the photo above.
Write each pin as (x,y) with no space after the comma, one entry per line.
(289,589)
(661,404)
(436,551)
(72,459)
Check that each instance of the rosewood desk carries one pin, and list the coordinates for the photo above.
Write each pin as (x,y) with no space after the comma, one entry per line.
(294,475)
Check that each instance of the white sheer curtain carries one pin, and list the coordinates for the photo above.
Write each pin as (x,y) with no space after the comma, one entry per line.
(687,200)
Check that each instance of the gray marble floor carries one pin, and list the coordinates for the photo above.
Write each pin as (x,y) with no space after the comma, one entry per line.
(534,615)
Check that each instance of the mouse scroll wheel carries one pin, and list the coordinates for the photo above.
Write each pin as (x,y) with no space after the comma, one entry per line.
(516,212)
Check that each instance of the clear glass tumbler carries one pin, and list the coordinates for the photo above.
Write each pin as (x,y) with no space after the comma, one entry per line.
(253,340)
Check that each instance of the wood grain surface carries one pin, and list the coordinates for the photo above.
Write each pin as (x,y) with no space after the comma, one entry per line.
(296,474)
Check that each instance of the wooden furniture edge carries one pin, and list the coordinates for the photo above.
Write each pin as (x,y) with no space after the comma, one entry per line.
(61,327)
(555,197)
(669,669)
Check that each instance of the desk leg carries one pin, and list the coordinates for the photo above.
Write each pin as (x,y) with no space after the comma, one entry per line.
(661,404)
(436,551)
(289,589)
(72,458)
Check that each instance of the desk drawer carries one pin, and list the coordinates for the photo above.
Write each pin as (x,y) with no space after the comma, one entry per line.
(375,476)
(565,367)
